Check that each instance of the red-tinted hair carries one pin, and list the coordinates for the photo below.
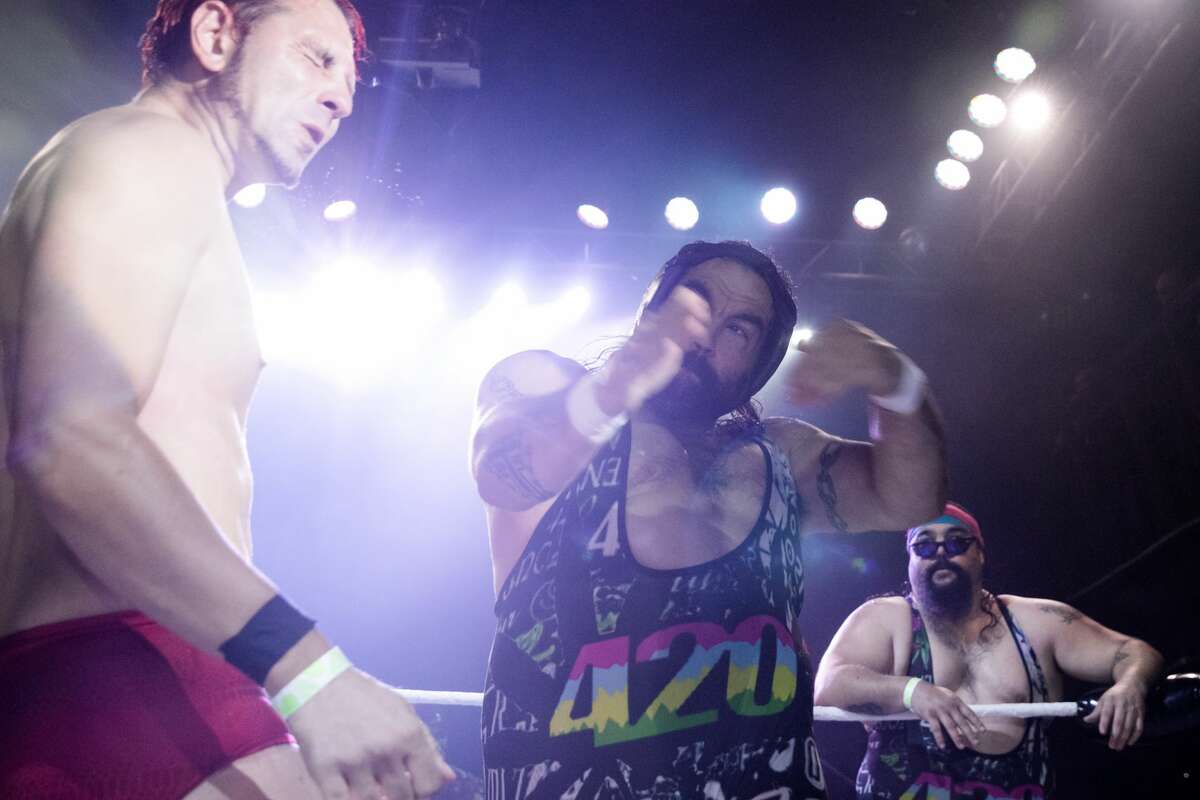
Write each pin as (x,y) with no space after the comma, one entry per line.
(165,45)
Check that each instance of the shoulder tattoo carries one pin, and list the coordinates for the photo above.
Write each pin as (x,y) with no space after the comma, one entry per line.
(501,388)
(826,488)
(509,460)
(1064,613)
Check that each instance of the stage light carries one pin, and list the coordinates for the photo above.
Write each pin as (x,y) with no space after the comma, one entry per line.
(870,213)
(952,174)
(802,335)
(353,322)
(340,210)
(987,110)
(573,304)
(682,214)
(1031,111)
(778,205)
(1014,64)
(419,296)
(592,216)
(251,196)
(965,145)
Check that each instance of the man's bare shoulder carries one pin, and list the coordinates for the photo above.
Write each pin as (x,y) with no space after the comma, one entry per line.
(793,432)
(531,373)
(804,442)
(889,610)
(151,147)
(1040,612)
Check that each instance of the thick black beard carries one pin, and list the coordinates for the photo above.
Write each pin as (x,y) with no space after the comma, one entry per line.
(695,400)
(951,602)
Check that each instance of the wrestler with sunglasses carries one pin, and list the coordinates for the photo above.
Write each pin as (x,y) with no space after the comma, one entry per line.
(948,644)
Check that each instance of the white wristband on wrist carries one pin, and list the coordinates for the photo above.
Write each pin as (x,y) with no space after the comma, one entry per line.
(910,391)
(909,688)
(585,414)
(315,677)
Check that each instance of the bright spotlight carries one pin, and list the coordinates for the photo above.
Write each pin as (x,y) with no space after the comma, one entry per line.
(573,304)
(952,174)
(802,335)
(965,145)
(340,210)
(592,216)
(682,214)
(987,110)
(1031,111)
(507,298)
(251,196)
(778,205)
(1014,65)
(870,213)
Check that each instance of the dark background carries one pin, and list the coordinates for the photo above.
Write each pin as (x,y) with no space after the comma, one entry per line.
(1069,386)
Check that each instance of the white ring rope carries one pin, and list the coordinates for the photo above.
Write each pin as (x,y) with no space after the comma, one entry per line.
(820,713)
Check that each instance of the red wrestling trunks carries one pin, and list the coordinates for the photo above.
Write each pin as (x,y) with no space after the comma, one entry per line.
(117,706)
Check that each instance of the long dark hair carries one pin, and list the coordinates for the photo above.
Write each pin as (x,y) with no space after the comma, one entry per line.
(777,338)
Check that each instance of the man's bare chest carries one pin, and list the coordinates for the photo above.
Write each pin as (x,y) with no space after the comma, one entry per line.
(686,508)
(213,354)
(987,669)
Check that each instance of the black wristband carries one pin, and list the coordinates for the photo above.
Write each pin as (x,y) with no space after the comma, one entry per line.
(270,633)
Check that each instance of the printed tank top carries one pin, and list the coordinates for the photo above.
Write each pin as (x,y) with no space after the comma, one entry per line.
(903,762)
(608,679)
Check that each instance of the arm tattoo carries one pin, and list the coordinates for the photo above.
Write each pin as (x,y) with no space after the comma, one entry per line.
(508,459)
(826,488)
(865,708)
(1120,655)
(501,388)
(1066,614)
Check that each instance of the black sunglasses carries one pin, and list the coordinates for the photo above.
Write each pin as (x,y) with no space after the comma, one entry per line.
(955,546)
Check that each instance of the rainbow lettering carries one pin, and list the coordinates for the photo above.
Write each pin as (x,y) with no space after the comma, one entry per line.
(609,662)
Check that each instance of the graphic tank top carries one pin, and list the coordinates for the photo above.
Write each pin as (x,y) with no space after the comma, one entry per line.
(608,679)
(903,762)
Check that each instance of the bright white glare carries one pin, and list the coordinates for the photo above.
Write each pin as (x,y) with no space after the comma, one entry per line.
(952,174)
(870,213)
(1014,64)
(987,110)
(353,322)
(778,205)
(1031,111)
(802,335)
(965,145)
(340,210)
(573,304)
(592,216)
(507,298)
(682,214)
(251,196)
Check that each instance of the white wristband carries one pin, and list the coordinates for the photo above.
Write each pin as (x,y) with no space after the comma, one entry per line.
(315,677)
(909,688)
(585,413)
(910,391)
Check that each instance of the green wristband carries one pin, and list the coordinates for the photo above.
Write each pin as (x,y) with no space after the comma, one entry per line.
(909,688)
(315,677)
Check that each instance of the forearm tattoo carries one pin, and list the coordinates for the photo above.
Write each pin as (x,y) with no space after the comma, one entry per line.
(826,488)
(865,708)
(1066,614)
(509,460)
(1120,655)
